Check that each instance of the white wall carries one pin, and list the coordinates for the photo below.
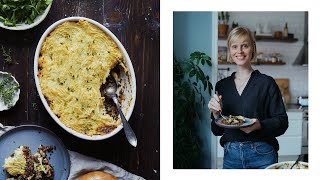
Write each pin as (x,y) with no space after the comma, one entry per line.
(297,75)
(275,19)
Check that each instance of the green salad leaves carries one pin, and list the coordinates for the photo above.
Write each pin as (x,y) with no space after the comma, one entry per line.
(15,12)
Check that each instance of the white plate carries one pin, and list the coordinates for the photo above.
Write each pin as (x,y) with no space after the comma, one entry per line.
(248,122)
(15,95)
(127,105)
(36,21)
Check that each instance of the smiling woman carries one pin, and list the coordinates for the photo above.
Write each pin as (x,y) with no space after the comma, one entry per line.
(254,95)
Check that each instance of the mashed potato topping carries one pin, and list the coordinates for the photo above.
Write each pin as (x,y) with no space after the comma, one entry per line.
(16,163)
(75,60)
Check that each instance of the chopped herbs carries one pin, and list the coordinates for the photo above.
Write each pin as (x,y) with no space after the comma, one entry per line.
(7,89)
(6,53)
(15,12)
(34,106)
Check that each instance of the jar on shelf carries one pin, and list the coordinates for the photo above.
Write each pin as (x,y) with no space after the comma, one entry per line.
(285,31)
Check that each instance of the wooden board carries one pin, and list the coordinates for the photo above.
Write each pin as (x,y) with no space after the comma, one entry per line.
(284,88)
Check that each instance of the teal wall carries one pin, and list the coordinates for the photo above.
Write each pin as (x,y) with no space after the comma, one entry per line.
(193,31)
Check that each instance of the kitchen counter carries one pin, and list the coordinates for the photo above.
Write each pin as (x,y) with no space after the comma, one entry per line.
(293,108)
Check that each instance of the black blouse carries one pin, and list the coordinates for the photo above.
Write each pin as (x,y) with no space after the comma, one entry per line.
(260,99)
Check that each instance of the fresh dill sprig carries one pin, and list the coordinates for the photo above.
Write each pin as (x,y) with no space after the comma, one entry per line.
(7,55)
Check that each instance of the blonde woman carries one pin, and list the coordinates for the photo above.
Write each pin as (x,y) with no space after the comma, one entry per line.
(254,95)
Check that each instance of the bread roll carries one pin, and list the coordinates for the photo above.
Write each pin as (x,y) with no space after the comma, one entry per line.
(97,175)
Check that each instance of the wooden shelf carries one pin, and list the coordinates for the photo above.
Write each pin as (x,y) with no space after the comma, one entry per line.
(271,39)
(268,39)
(255,63)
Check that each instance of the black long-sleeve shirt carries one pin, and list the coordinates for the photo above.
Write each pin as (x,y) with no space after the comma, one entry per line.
(260,99)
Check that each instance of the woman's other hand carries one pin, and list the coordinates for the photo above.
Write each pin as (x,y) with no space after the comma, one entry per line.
(256,125)
(214,105)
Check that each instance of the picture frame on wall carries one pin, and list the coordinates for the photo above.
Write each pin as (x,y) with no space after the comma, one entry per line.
(222,54)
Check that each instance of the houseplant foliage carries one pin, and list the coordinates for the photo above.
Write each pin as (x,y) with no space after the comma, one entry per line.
(190,85)
(223,26)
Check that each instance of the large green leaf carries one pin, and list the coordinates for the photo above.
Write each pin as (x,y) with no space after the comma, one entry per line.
(186,66)
(192,73)
(210,87)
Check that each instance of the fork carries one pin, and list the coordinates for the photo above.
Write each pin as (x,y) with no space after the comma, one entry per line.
(297,161)
(220,102)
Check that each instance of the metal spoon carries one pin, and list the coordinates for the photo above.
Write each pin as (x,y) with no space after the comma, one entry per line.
(110,91)
(224,117)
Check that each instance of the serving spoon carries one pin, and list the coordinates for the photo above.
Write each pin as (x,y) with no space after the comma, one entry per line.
(110,91)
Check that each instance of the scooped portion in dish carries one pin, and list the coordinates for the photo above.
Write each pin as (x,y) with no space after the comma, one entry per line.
(75,60)
(22,165)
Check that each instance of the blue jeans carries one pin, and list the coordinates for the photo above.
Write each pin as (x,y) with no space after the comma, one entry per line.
(248,155)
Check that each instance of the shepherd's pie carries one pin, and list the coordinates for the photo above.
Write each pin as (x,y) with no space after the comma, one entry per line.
(75,60)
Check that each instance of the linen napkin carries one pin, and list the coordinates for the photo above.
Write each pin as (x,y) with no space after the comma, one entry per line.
(81,164)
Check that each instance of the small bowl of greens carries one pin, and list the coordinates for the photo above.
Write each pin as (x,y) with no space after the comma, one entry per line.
(23,14)
(9,91)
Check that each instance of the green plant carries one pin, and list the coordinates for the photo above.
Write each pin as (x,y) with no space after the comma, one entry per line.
(227,17)
(223,17)
(190,84)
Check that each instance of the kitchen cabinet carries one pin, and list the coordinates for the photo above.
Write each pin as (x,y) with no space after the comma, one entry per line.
(290,142)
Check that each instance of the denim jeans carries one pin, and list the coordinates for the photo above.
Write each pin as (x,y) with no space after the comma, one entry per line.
(248,155)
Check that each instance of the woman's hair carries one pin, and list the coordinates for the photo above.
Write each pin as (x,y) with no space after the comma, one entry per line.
(241,33)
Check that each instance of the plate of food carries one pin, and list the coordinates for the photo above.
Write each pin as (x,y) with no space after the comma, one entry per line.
(33,151)
(22,15)
(9,91)
(288,164)
(234,122)
(73,61)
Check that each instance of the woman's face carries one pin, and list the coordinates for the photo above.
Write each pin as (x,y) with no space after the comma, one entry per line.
(241,51)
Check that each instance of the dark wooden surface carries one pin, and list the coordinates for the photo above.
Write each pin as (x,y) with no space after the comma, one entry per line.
(137,26)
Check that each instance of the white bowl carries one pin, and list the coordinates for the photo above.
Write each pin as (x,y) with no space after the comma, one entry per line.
(288,164)
(36,21)
(16,94)
(130,90)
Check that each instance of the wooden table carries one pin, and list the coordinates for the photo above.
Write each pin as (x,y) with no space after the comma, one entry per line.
(137,26)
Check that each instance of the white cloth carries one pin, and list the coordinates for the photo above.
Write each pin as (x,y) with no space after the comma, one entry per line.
(81,164)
